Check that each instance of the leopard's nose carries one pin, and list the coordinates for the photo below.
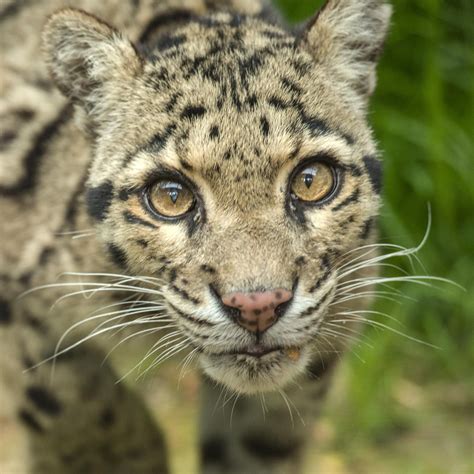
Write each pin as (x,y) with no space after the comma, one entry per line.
(259,310)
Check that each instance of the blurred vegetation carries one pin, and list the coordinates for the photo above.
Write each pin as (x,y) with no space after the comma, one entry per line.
(423,115)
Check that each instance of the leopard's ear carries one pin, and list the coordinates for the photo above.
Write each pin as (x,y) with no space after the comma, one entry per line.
(346,37)
(84,54)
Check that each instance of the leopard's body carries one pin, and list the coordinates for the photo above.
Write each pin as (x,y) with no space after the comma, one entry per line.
(220,94)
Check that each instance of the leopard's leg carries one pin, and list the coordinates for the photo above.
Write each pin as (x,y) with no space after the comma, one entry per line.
(78,419)
(240,438)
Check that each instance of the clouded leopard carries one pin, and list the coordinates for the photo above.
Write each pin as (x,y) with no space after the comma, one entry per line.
(196,172)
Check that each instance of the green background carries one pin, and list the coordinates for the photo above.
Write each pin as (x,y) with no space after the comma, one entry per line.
(423,116)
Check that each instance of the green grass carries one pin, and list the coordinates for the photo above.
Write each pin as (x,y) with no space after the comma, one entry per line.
(423,115)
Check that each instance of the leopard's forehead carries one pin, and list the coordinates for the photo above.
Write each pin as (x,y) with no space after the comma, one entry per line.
(232,100)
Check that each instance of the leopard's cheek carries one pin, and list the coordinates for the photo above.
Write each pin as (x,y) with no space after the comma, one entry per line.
(141,244)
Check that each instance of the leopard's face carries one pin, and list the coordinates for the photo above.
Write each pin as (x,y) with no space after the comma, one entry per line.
(230,165)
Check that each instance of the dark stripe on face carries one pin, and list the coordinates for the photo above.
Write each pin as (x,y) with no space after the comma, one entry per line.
(98,200)
(133,219)
(318,127)
(32,160)
(200,322)
(354,197)
(117,255)
(313,309)
(374,170)
(44,400)
(184,294)
(366,228)
(5,312)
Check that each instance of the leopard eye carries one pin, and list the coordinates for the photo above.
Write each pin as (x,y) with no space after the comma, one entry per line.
(170,199)
(313,183)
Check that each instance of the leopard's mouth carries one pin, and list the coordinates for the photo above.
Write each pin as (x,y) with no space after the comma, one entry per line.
(259,351)
(257,368)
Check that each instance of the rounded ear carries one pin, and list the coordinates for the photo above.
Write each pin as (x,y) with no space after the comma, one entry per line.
(347,37)
(84,54)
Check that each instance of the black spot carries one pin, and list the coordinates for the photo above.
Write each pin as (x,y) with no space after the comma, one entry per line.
(301,260)
(214,132)
(34,323)
(278,103)
(316,126)
(354,170)
(6,138)
(5,312)
(133,219)
(99,199)
(173,275)
(264,126)
(107,418)
(252,101)
(249,67)
(117,255)
(374,170)
(44,400)
(227,155)
(354,197)
(159,141)
(267,447)
(124,194)
(30,421)
(185,164)
(167,42)
(193,112)
(46,253)
(170,105)
(292,86)
(214,451)
(208,269)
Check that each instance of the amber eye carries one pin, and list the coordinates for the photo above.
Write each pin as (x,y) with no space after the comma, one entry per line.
(313,182)
(170,198)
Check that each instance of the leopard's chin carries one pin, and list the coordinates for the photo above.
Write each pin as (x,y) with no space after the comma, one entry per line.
(248,374)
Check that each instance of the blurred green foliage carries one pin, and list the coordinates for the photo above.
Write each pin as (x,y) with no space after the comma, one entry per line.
(423,116)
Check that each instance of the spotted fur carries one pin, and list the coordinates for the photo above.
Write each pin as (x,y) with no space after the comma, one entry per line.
(223,96)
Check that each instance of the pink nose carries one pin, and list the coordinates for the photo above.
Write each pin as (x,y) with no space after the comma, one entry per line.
(257,310)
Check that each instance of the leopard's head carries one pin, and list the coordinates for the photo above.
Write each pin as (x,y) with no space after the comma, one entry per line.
(233,162)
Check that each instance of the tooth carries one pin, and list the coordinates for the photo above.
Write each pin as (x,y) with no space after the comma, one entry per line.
(293,353)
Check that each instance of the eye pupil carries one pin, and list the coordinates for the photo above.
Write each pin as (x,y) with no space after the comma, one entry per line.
(308,180)
(173,194)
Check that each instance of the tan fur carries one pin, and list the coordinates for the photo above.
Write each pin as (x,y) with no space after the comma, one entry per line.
(233,103)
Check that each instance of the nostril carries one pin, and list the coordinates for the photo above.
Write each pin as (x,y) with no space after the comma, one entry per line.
(282,308)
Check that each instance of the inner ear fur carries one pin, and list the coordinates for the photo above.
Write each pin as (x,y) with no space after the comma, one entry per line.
(84,53)
(347,37)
